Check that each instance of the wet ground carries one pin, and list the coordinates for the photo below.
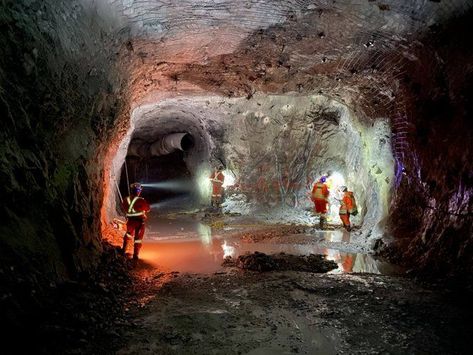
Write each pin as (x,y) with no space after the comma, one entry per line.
(186,302)
(184,243)
(296,312)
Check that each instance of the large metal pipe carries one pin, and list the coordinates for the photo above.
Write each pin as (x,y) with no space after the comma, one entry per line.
(170,143)
(137,148)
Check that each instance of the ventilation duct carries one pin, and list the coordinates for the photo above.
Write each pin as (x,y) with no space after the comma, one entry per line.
(171,142)
(137,148)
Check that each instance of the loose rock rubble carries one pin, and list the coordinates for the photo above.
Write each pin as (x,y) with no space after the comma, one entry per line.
(262,262)
(86,315)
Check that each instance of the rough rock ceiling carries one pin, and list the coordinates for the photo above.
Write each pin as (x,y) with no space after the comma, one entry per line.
(354,50)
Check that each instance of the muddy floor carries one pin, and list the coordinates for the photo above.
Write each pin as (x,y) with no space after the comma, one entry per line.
(245,312)
(194,291)
(186,302)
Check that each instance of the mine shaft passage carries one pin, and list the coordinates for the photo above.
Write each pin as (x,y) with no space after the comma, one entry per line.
(165,150)
(165,178)
(158,161)
(162,136)
(272,150)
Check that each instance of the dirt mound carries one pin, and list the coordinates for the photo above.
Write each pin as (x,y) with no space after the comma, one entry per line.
(281,262)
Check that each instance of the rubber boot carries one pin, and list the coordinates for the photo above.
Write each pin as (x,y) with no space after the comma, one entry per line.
(126,242)
(212,205)
(322,222)
(136,251)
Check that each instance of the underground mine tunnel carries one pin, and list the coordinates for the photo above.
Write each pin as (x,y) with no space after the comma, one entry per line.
(222,116)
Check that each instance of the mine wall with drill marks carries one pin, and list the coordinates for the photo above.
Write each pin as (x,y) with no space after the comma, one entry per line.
(75,71)
(289,140)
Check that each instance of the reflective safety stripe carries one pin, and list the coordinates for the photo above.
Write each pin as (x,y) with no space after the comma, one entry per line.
(130,208)
(131,211)
(129,236)
(343,205)
(138,241)
(215,179)
(135,214)
(343,208)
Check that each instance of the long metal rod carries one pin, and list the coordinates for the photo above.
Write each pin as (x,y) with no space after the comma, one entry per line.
(127,179)
(118,190)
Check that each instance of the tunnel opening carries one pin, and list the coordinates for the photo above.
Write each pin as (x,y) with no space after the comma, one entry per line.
(159,165)
(166,180)
(166,150)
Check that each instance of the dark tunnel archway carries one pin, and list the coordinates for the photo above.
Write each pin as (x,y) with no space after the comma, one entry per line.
(165,178)
(166,151)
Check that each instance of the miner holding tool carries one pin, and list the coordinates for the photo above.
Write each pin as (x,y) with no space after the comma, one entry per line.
(136,209)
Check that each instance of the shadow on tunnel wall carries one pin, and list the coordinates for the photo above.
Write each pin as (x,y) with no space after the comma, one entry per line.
(57,111)
(432,213)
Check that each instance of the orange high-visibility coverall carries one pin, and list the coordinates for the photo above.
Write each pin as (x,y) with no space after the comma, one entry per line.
(217,178)
(320,197)
(346,207)
(136,208)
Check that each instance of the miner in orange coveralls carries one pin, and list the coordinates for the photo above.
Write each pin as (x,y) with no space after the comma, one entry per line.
(319,196)
(136,209)
(346,207)
(217,178)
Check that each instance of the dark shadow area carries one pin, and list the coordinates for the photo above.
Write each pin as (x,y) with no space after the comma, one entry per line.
(167,182)
(187,142)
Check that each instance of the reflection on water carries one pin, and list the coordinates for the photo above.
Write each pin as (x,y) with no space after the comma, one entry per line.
(228,250)
(336,236)
(205,233)
(183,255)
(189,246)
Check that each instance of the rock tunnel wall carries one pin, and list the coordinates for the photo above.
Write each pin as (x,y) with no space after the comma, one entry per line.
(65,106)
(280,145)
(58,105)
(432,212)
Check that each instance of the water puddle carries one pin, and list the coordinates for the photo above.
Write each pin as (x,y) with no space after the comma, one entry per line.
(186,245)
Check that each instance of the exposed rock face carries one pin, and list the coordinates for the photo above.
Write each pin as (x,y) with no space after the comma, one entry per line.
(77,77)
(432,213)
(59,106)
